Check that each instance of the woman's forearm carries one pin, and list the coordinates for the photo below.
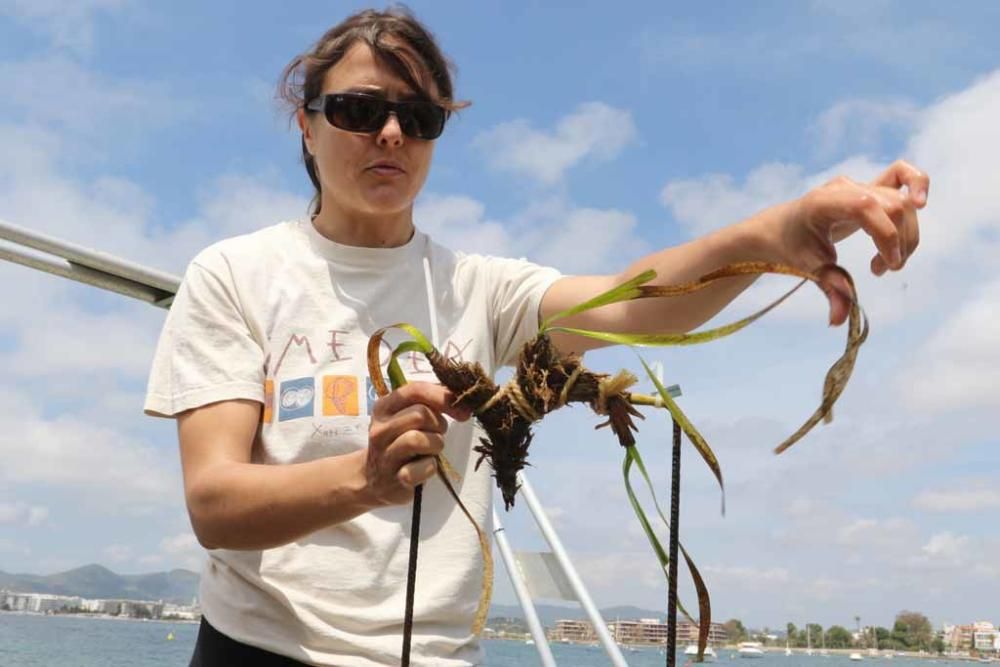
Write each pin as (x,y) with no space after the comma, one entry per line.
(236,505)
(749,240)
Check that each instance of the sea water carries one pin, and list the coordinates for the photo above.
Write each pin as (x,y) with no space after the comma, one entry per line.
(69,641)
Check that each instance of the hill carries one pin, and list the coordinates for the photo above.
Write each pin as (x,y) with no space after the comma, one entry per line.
(97,581)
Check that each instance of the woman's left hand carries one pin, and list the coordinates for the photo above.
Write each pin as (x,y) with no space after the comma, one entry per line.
(809,227)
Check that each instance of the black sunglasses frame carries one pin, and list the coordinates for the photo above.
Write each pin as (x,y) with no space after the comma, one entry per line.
(327,104)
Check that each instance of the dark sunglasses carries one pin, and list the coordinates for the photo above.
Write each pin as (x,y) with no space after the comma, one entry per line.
(358,112)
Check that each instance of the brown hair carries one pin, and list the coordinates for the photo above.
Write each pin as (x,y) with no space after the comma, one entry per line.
(394,36)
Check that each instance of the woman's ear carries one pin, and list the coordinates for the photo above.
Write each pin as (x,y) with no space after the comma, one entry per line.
(306,127)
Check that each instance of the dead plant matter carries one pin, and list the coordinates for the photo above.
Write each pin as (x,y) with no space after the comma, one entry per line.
(545,381)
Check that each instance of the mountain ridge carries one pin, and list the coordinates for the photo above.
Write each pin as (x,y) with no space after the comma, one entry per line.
(95,581)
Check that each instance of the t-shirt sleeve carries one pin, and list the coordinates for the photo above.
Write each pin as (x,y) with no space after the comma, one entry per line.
(516,289)
(207,351)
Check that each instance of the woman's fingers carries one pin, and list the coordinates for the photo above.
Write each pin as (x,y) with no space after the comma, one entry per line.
(869,209)
(416,472)
(840,293)
(434,396)
(901,173)
(416,417)
(406,432)
(412,445)
(901,210)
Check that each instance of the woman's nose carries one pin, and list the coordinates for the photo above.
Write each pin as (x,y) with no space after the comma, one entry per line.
(391,133)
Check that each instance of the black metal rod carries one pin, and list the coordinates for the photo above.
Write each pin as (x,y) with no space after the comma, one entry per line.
(675,505)
(411,574)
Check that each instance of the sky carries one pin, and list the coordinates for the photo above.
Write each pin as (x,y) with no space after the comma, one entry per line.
(597,132)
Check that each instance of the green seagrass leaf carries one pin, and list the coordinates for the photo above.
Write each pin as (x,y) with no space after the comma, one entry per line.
(625,292)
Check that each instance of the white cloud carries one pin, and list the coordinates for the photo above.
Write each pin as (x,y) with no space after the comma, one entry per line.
(944,549)
(459,222)
(595,131)
(23,513)
(582,240)
(183,550)
(861,124)
(959,500)
(878,535)
(117,472)
(707,203)
(961,360)
(57,92)
(550,231)
(68,23)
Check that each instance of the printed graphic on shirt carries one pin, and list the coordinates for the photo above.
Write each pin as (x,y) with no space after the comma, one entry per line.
(340,395)
(371,393)
(301,344)
(296,399)
(268,401)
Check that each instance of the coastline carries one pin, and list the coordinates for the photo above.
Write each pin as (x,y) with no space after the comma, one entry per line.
(105,617)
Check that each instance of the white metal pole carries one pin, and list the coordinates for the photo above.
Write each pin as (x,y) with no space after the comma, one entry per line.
(86,275)
(610,647)
(523,596)
(94,259)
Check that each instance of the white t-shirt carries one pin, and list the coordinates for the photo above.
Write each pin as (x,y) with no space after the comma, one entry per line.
(282,316)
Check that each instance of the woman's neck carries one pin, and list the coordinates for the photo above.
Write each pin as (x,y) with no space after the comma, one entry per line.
(365,231)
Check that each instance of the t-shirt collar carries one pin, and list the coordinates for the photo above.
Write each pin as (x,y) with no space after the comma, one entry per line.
(364,257)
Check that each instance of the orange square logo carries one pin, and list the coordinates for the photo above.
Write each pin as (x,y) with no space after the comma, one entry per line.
(268,401)
(340,395)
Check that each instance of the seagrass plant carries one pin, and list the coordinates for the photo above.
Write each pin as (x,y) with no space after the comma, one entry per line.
(546,380)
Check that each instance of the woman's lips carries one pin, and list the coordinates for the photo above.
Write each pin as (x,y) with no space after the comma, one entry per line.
(386,170)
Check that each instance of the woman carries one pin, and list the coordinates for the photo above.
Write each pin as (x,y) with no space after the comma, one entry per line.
(297,480)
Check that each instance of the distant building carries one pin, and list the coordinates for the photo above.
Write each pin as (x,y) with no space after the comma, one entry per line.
(984,637)
(641,631)
(39,603)
(687,633)
(981,637)
(570,630)
(42,603)
(958,638)
(182,612)
(654,631)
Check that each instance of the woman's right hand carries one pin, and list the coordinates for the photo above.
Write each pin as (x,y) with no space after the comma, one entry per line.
(406,431)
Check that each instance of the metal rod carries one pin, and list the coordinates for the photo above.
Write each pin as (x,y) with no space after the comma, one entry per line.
(675,505)
(411,574)
(523,596)
(87,275)
(93,259)
(610,647)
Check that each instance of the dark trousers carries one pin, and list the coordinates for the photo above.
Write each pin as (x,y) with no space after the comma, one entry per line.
(214,649)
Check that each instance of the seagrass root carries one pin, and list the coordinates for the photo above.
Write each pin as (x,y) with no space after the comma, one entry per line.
(545,381)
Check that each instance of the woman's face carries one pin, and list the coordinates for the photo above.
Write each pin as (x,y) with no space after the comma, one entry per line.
(353,183)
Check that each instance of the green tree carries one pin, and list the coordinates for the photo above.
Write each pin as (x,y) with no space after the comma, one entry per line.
(792,633)
(838,637)
(735,631)
(815,631)
(938,645)
(913,630)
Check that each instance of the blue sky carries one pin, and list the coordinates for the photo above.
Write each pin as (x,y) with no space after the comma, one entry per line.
(598,132)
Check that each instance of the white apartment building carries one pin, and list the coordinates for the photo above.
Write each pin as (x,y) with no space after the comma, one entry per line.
(38,603)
